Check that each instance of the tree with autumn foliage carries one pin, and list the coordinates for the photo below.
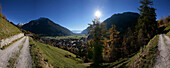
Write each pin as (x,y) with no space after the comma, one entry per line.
(1,15)
(106,50)
(0,11)
(113,41)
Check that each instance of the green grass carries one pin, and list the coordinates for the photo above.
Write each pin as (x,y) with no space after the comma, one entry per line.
(68,37)
(167,27)
(168,34)
(56,57)
(7,29)
(36,55)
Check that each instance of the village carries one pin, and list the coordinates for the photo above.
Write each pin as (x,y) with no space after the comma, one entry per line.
(76,46)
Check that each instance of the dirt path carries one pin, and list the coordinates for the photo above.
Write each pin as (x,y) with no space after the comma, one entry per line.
(163,60)
(24,60)
(8,52)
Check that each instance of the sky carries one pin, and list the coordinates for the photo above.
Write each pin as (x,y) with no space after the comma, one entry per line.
(73,14)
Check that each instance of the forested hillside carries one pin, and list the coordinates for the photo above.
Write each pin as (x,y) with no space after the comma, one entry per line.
(121,20)
(46,27)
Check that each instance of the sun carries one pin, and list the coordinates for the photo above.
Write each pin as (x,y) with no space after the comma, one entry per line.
(98,14)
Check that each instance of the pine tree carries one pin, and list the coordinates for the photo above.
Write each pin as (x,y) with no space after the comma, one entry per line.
(97,30)
(147,25)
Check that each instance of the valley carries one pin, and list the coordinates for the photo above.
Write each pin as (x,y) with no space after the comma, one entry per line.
(46,34)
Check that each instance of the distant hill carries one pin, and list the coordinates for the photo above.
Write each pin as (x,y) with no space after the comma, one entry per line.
(85,31)
(46,27)
(7,28)
(76,31)
(122,21)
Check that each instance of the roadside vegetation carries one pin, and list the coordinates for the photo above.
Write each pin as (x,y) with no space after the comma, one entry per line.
(43,55)
(37,57)
(146,57)
(168,34)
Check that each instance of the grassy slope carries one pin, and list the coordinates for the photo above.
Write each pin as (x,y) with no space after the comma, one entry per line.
(7,29)
(56,57)
(168,34)
(167,26)
(146,56)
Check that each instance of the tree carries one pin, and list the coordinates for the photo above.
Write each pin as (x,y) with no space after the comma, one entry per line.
(1,15)
(97,30)
(0,8)
(106,51)
(113,40)
(0,11)
(147,25)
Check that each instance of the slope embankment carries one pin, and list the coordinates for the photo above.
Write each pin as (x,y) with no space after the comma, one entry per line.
(7,29)
(9,40)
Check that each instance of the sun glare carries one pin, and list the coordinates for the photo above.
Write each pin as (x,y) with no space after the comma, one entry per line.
(98,14)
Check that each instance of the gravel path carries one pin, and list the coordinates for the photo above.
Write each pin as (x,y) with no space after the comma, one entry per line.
(24,60)
(163,59)
(8,52)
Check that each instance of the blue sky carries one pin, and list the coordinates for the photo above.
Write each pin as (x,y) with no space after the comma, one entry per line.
(73,14)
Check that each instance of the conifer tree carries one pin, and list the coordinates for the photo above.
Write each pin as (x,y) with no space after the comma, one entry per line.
(97,30)
(147,26)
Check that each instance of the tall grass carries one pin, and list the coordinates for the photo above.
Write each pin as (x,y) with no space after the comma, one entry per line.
(7,29)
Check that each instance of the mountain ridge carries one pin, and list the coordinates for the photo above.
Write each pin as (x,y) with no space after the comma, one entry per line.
(121,20)
(46,27)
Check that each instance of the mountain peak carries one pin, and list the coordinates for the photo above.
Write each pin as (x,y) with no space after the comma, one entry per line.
(46,27)
(42,18)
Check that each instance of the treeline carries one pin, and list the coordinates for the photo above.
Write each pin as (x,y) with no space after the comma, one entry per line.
(111,45)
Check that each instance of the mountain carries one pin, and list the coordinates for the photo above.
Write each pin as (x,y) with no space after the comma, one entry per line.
(76,31)
(85,31)
(20,24)
(122,21)
(46,27)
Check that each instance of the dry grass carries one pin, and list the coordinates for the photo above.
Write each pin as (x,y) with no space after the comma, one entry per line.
(7,29)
